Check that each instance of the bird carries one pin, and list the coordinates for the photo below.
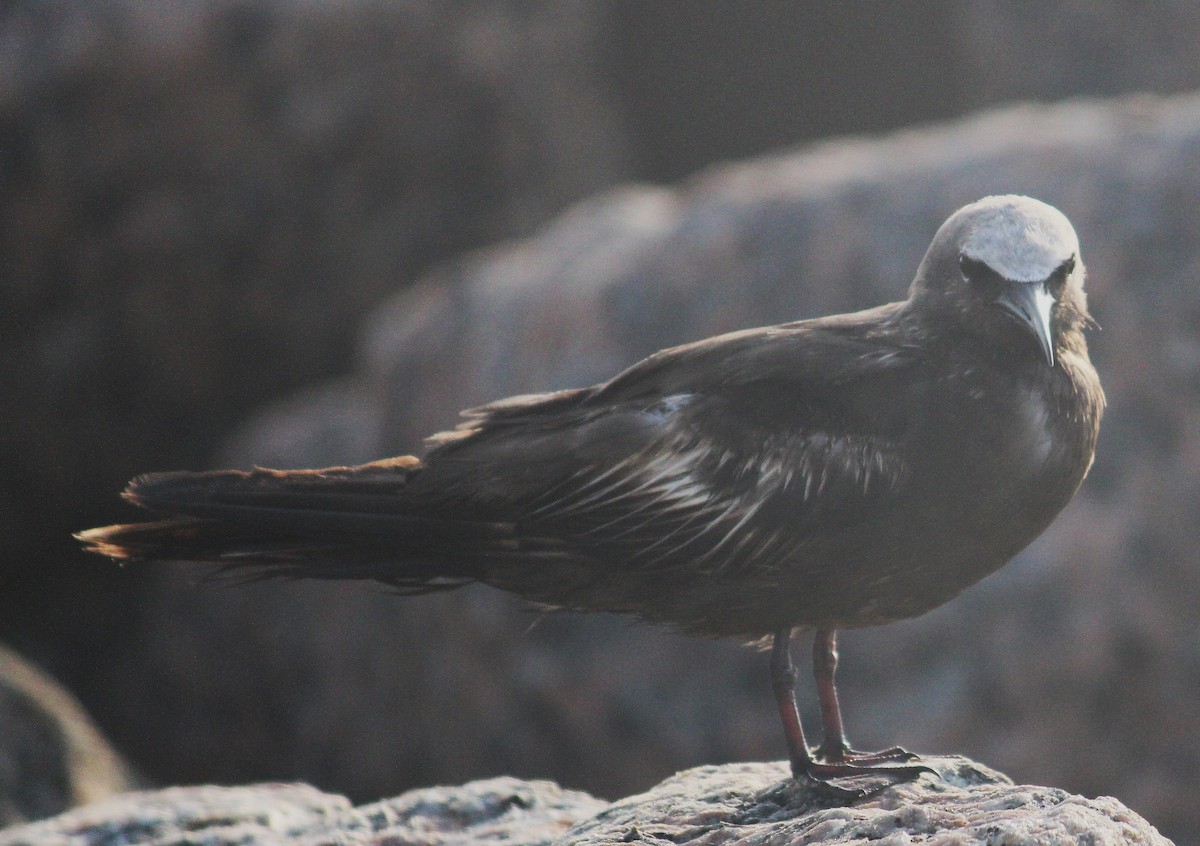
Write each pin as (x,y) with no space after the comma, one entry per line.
(831,473)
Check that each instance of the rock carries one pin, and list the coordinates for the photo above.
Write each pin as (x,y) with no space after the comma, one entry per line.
(508,810)
(734,804)
(52,757)
(756,804)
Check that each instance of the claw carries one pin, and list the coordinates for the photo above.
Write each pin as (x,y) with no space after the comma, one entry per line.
(820,777)
(834,792)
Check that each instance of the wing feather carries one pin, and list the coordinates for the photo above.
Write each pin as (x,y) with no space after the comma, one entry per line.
(734,452)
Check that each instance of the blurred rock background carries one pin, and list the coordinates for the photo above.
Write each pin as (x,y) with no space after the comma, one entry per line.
(52,756)
(279,233)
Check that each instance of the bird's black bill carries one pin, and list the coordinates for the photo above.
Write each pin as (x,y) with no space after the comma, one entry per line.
(1030,303)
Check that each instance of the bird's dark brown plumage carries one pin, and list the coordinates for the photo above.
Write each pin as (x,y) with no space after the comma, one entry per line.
(845,471)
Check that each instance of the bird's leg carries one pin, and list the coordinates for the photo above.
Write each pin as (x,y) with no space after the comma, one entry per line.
(783,682)
(805,768)
(834,748)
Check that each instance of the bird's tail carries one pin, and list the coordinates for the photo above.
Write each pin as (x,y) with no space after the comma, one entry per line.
(339,522)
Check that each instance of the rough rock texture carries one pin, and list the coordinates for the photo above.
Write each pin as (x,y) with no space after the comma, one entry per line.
(51,755)
(752,804)
(500,810)
(1072,666)
(757,805)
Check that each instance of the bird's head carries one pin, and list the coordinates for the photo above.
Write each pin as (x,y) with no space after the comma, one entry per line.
(1008,268)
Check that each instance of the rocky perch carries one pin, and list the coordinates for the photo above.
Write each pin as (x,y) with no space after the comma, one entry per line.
(731,804)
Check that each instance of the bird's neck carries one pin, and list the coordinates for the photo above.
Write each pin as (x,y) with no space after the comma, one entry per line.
(946,327)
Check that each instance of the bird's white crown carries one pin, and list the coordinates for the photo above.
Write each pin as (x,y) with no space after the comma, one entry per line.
(1020,238)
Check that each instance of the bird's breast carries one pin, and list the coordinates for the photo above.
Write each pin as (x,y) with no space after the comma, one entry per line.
(1007,451)
(992,460)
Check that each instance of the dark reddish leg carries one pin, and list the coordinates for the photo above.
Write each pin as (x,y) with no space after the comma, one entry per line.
(806,768)
(783,682)
(834,747)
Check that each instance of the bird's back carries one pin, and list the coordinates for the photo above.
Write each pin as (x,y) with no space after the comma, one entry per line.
(836,472)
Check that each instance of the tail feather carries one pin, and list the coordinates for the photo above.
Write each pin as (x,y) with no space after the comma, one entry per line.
(377,487)
(339,522)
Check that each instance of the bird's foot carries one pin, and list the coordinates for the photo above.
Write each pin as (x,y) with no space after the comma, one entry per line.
(840,753)
(871,769)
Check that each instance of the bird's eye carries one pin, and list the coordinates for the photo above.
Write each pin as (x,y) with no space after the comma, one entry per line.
(1058,279)
(976,272)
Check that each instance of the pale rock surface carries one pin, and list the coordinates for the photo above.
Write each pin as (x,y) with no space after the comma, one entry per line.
(500,811)
(750,804)
(758,805)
